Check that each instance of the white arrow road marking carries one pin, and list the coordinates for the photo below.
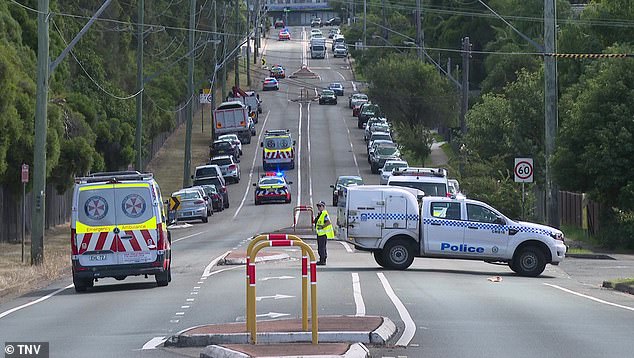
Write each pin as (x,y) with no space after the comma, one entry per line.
(358,298)
(342,77)
(6,313)
(213,263)
(180,226)
(273,315)
(276,297)
(276,278)
(154,342)
(410,326)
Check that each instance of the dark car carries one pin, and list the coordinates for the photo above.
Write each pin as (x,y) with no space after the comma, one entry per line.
(316,22)
(337,88)
(382,154)
(367,111)
(216,198)
(224,147)
(279,23)
(327,96)
(272,188)
(342,182)
(335,21)
(220,184)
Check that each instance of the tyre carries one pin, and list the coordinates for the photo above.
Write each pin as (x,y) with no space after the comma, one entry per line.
(374,169)
(226,203)
(335,103)
(359,124)
(397,254)
(205,219)
(82,284)
(257,202)
(163,278)
(529,261)
(378,257)
(293,164)
(335,200)
(321,102)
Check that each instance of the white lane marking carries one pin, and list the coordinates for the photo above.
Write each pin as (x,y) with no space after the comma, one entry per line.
(410,326)
(154,342)
(354,86)
(187,237)
(276,278)
(354,157)
(299,161)
(358,298)
(342,76)
(190,300)
(180,313)
(310,170)
(255,157)
(213,263)
(41,299)
(223,270)
(185,307)
(591,298)
(346,246)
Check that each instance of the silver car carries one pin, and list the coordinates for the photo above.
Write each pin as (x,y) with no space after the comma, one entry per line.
(340,51)
(229,168)
(387,169)
(210,204)
(357,99)
(192,205)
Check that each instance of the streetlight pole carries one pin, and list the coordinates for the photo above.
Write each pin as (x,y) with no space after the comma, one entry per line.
(190,106)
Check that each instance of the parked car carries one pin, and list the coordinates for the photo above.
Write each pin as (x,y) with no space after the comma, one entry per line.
(216,197)
(388,167)
(334,31)
(357,99)
(375,127)
(229,168)
(233,138)
(327,96)
(367,111)
(220,184)
(381,154)
(208,200)
(342,182)
(224,147)
(192,205)
(340,51)
(335,21)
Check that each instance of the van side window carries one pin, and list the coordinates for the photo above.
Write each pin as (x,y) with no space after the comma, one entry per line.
(443,210)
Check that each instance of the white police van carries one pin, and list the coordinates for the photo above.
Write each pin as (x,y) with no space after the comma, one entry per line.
(432,181)
(398,224)
(118,229)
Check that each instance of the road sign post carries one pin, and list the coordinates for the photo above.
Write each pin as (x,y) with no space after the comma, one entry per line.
(25,180)
(523,173)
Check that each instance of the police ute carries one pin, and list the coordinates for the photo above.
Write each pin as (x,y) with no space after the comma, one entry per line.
(398,224)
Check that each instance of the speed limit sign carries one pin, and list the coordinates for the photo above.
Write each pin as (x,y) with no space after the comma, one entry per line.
(523,170)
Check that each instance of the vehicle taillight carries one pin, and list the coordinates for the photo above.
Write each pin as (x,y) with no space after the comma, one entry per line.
(224,189)
(73,242)
(218,125)
(161,245)
(449,195)
(233,167)
(199,202)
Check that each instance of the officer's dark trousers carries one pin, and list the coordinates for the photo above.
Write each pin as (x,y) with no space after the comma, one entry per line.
(321,247)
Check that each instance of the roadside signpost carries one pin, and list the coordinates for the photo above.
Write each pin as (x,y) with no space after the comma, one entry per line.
(204,98)
(25,180)
(523,172)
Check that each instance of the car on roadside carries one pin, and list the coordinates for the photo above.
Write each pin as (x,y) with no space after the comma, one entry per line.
(210,204)
(340,51)
(233,138)
(221,186)
(388,167)
(277,71)
(224,147)
(270,84)
(367,111)
(327,97)
(284,34)
(375,127)
(229,168)
(333,21)
(193,205)
(216,197)
(357,99)
(316,32)
(272,188)
(334,31)
(337,88)
(279,23)
(338,40)
(379,136)
(252,126)
(316,22)
(375,144)
(343,181)
(382,154)
(205,171)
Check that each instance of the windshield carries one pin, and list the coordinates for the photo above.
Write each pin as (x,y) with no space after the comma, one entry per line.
(277,143)
(359,96)
(206,172)
(271,181)
(391,166)
(348,181)
(221,161)
(215,181)
(381,137)
(187,195)
(430,189)
(229,137)
(386,151)
(222,145)
(369,109)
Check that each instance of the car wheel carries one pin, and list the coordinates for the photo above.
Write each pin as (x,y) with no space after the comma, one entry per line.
(163,278)
(334,200)
(335,102)
(226,203)
(528,261)
(378,257)
(321,102)
(257,202)
(374,169)
(398,254)
(359,124)
(82,284)
(205,219)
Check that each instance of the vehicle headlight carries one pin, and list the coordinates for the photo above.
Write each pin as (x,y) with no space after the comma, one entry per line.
(557,236)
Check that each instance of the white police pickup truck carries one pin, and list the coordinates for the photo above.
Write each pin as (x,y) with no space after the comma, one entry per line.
(398,224)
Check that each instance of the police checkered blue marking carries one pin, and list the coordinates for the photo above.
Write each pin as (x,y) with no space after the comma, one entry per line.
(388,216)
(485,226)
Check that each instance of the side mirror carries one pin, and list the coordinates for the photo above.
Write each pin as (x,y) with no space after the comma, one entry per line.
(293,142)
(206,197)
(332,186)
(254,184)
(192,176)
(166,202)
(289,182)
(380,170)
(262,144)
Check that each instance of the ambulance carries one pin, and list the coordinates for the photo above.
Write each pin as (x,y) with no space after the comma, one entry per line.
(278,150)
(118,229)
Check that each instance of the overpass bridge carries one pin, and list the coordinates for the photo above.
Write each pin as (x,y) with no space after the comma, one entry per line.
(299,12)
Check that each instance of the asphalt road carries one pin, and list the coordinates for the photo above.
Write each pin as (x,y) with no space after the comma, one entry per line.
(443,308)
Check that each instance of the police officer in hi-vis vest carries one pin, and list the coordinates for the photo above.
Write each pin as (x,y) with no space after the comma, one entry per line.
(324,231)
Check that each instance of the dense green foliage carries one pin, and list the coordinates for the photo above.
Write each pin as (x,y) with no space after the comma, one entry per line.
(506,119)
(92,107)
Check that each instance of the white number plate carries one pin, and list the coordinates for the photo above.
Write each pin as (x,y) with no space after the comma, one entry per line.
(97,257)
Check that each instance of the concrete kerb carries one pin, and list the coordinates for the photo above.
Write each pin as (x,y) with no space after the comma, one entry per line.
(356,350)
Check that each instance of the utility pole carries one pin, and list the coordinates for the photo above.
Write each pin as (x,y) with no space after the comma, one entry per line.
(190,106)
(139,80)
(249,9)
(550,111)
(256,40)
(236,62)
(466,55)
(39,167)
(214,27)
(223,80)
(365,28)
(419,37)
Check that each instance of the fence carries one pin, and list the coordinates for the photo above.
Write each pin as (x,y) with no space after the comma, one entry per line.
(59,206)
(570,210)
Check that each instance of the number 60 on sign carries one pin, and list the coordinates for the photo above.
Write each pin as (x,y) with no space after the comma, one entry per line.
(523,170)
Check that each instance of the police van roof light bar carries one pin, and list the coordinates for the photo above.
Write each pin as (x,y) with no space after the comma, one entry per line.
(113,176)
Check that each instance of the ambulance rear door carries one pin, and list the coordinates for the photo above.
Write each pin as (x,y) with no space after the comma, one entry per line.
(136,223)
(95,225)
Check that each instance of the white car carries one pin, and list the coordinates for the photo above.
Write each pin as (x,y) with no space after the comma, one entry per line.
(390,165)
(233,138)
(357,99)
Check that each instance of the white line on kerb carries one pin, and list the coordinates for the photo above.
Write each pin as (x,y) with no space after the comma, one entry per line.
(342,76)
(255,157)
(44,298)
(354,157)
(358,298)
(154,342)
(346,246)
(187,237)
(310,170)
(410,326)
(299,159)
(590,297)
(213,263)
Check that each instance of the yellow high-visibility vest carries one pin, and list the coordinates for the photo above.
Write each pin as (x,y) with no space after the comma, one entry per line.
(322,228)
